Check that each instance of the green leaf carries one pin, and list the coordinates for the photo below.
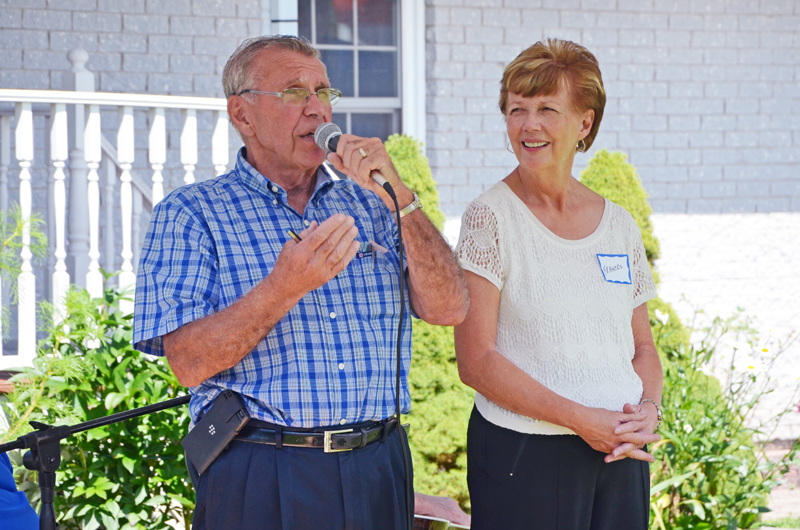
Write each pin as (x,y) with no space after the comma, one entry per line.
(674,481)
(113,399)
(129,463)
(697,506)
(92,524)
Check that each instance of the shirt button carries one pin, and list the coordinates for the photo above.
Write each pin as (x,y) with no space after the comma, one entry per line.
(275,189)
(341,366)
(342,421)
(275,202)
(306,222)
(333,315)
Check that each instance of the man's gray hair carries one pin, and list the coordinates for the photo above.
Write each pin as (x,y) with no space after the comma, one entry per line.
(237,74)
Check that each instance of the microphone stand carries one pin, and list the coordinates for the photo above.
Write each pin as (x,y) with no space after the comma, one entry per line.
(44,450)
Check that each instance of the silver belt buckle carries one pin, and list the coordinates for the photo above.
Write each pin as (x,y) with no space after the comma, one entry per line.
(327,447)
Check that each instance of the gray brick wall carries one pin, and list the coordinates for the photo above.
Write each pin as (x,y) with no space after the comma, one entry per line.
(703,95)
(176,47)
(134,45)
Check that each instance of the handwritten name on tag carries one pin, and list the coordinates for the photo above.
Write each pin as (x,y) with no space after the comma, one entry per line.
(615,267)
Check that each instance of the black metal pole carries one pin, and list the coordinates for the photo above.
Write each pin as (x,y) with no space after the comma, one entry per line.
(44,455)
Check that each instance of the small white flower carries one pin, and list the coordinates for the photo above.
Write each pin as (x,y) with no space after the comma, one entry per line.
(688,428)
(662,317)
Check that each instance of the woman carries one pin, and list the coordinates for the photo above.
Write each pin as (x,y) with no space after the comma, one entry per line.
(557,340)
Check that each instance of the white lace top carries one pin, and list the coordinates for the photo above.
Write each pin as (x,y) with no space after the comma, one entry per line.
(560,320)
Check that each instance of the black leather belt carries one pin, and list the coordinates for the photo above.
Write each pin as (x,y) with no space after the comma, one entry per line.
(332,441)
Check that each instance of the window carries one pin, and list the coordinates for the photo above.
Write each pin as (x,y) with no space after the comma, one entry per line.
(360,44)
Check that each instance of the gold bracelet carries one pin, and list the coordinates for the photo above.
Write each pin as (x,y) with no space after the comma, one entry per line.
(658,410)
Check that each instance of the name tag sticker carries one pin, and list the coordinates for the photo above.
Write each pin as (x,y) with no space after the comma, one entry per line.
(615,267)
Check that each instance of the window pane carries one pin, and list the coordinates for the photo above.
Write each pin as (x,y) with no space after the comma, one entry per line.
(340,70)
(334,22)
(377,74)
(340,119)
(304,19)
(372,125)
(377,22)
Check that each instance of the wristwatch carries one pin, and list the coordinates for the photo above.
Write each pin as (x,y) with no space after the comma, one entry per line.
(416,204)
(658,410)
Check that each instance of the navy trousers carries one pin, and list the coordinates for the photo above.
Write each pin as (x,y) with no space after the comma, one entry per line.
(258,487)
(541,482)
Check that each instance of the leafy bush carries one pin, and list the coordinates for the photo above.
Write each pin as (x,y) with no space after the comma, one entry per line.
(440,412)
(440,402)
(12,226)
(708,473)
(122,476)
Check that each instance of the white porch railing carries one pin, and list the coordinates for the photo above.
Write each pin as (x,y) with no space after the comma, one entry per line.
(77,145)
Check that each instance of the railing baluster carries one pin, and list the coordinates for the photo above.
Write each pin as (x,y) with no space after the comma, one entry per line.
(108,202)
(136,218)
(59,150)
(189,143)
(127,279)
(80,79)
(5,160)
(157,151)
(219,142)
(92,151)
(26,283)
(50,213)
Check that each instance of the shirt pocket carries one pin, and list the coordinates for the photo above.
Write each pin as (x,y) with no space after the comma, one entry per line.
(372,286)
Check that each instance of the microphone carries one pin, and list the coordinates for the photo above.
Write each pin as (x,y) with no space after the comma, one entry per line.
(327,137)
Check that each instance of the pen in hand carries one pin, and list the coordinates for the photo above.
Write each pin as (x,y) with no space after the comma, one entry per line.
(293,235)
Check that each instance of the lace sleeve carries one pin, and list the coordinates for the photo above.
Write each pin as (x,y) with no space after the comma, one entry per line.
(479,244)
(644,287)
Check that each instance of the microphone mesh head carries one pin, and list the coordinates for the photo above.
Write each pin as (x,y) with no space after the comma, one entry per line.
(324,133)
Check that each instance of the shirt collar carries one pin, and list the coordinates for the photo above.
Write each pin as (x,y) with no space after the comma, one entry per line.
(262,184)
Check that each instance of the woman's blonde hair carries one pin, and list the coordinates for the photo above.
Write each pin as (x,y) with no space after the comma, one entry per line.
(546,66)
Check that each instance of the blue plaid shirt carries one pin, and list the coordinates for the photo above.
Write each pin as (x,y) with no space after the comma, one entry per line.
(331,359)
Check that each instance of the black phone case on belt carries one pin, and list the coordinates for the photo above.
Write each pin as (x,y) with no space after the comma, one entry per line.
(215,430)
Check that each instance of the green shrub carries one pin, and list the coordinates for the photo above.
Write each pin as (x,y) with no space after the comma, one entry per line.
(412,165)
(669,333)
(610,175)
(708,473)
(440,402)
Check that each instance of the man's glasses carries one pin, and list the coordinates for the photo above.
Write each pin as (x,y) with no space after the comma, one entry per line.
(297,97)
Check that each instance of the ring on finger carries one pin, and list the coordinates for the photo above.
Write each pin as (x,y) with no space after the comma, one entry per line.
(362,152)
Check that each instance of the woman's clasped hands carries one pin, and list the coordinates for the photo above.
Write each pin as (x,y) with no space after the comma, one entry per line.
(620,434)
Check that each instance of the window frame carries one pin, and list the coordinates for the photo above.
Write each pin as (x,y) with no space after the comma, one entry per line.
(409,106)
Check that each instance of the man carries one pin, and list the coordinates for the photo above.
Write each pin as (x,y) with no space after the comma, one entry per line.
(304,330)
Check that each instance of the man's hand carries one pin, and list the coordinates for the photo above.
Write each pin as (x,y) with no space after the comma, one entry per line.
(436,283)
(204,347)
(324,251)
(441,508)
(349,159)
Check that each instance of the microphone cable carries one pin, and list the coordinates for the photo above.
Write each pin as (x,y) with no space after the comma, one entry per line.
(405,448)
(326,136)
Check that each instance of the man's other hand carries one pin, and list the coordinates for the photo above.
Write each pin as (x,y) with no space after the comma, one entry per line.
(441,508)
